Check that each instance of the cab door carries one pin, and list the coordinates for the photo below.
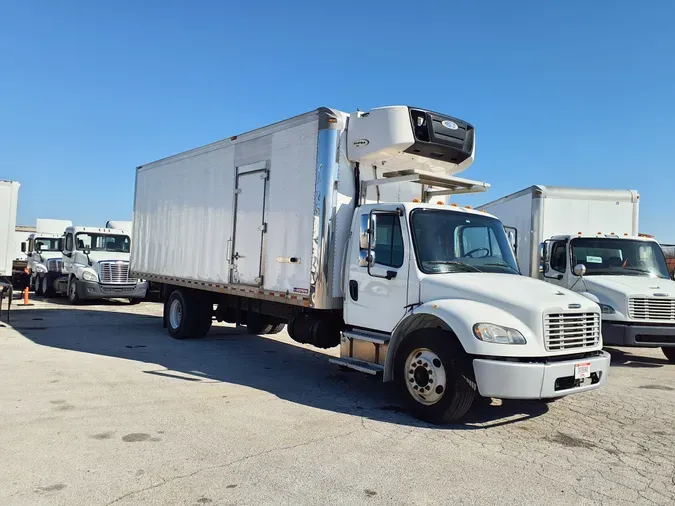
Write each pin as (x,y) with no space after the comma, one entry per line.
(377,281)
(556,265)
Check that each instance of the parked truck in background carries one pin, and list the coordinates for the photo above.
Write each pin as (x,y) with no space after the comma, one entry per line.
(95,265)
(323,222)
(9,196)
(43,249)
(587,240)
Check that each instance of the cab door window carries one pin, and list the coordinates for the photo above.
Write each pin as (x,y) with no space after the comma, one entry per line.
(559,256)
(388,241)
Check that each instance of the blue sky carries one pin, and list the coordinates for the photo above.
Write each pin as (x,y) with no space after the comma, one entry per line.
(572,93)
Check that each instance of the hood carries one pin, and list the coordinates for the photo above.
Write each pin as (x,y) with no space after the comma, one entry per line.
(525,298)
(48,255)
(628,285)
(105,256)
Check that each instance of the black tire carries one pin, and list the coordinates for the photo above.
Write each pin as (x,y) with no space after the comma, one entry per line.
(277,328)
(47,286)
(256,324)
(460,389)
(190,316)
(38,286)
(32,283)
(669,352)
(133,302)
(73,296)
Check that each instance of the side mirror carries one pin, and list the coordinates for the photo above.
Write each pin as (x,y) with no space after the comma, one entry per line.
(580,270)
(23,247)
(363,232)
(512,240)
(366,258)
(542,258)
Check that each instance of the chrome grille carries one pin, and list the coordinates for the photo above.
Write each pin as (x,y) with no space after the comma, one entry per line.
(114,272)
(643,308)
(563,331)
(54,265)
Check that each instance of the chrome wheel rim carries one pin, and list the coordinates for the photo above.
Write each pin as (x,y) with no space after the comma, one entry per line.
(175,314)
(425,376)
(72,290)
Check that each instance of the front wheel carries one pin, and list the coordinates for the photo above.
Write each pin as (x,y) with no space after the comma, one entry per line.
(38,286)
(669,352)
(434,376)
(188,314)
(73,296)
(133,302)
(47,289)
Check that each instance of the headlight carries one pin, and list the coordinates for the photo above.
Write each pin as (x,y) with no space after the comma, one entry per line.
(491,333)
(607,309)
(40,268)
(89,276)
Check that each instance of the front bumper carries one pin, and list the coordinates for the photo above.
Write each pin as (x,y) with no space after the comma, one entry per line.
(629,334)
(537,380)
(94,290)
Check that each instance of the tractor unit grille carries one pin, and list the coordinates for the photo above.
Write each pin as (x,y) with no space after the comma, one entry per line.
(643,308)
(563,331)
(116,273)
(54,265)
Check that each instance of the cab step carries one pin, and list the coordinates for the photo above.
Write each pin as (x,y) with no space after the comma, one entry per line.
(367,335)
(358,365)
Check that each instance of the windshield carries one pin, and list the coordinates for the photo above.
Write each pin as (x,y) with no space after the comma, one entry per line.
(48,244)
(448,241)
(619,257)
(103,242)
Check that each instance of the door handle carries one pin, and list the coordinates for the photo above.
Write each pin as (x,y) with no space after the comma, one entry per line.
(354,289)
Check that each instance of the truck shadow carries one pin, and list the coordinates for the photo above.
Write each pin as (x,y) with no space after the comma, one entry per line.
(623,358)
(227,354)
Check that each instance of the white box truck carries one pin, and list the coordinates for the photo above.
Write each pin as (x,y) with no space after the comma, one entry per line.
(322,222)
(43,248)
(95,265)
(587,240)
(9,196)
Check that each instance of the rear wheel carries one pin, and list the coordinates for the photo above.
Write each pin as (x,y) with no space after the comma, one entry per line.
(188,315)
(434,376)
(669,352)
(277,328)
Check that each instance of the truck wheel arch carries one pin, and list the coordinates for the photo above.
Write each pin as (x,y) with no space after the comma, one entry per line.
(411,323)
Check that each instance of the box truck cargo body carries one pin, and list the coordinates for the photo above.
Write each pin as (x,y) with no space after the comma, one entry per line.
(9,194)
(587,240)
(325,222)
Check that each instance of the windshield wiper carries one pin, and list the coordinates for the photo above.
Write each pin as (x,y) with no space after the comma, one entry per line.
(504,264)
(452,262)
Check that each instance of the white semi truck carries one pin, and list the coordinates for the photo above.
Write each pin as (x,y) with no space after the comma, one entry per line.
(43,248)
(322,222)
(587,240)
(95,265)
(9,195)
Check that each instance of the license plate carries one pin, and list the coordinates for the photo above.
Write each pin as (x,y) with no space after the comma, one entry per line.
(582,370)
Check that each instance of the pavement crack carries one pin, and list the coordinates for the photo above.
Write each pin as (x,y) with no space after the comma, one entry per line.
(166,481)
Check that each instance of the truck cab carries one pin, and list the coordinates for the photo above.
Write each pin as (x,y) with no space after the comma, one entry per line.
(434,290)
(95,265)
(629,279)
(44,261)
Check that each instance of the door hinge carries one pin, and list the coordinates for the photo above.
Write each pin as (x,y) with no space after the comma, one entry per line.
(265,175)
(263,228)
(237,191)
(259,280)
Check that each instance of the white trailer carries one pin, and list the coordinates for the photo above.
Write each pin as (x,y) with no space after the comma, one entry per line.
(9,195)
(323,222)
(587,240)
